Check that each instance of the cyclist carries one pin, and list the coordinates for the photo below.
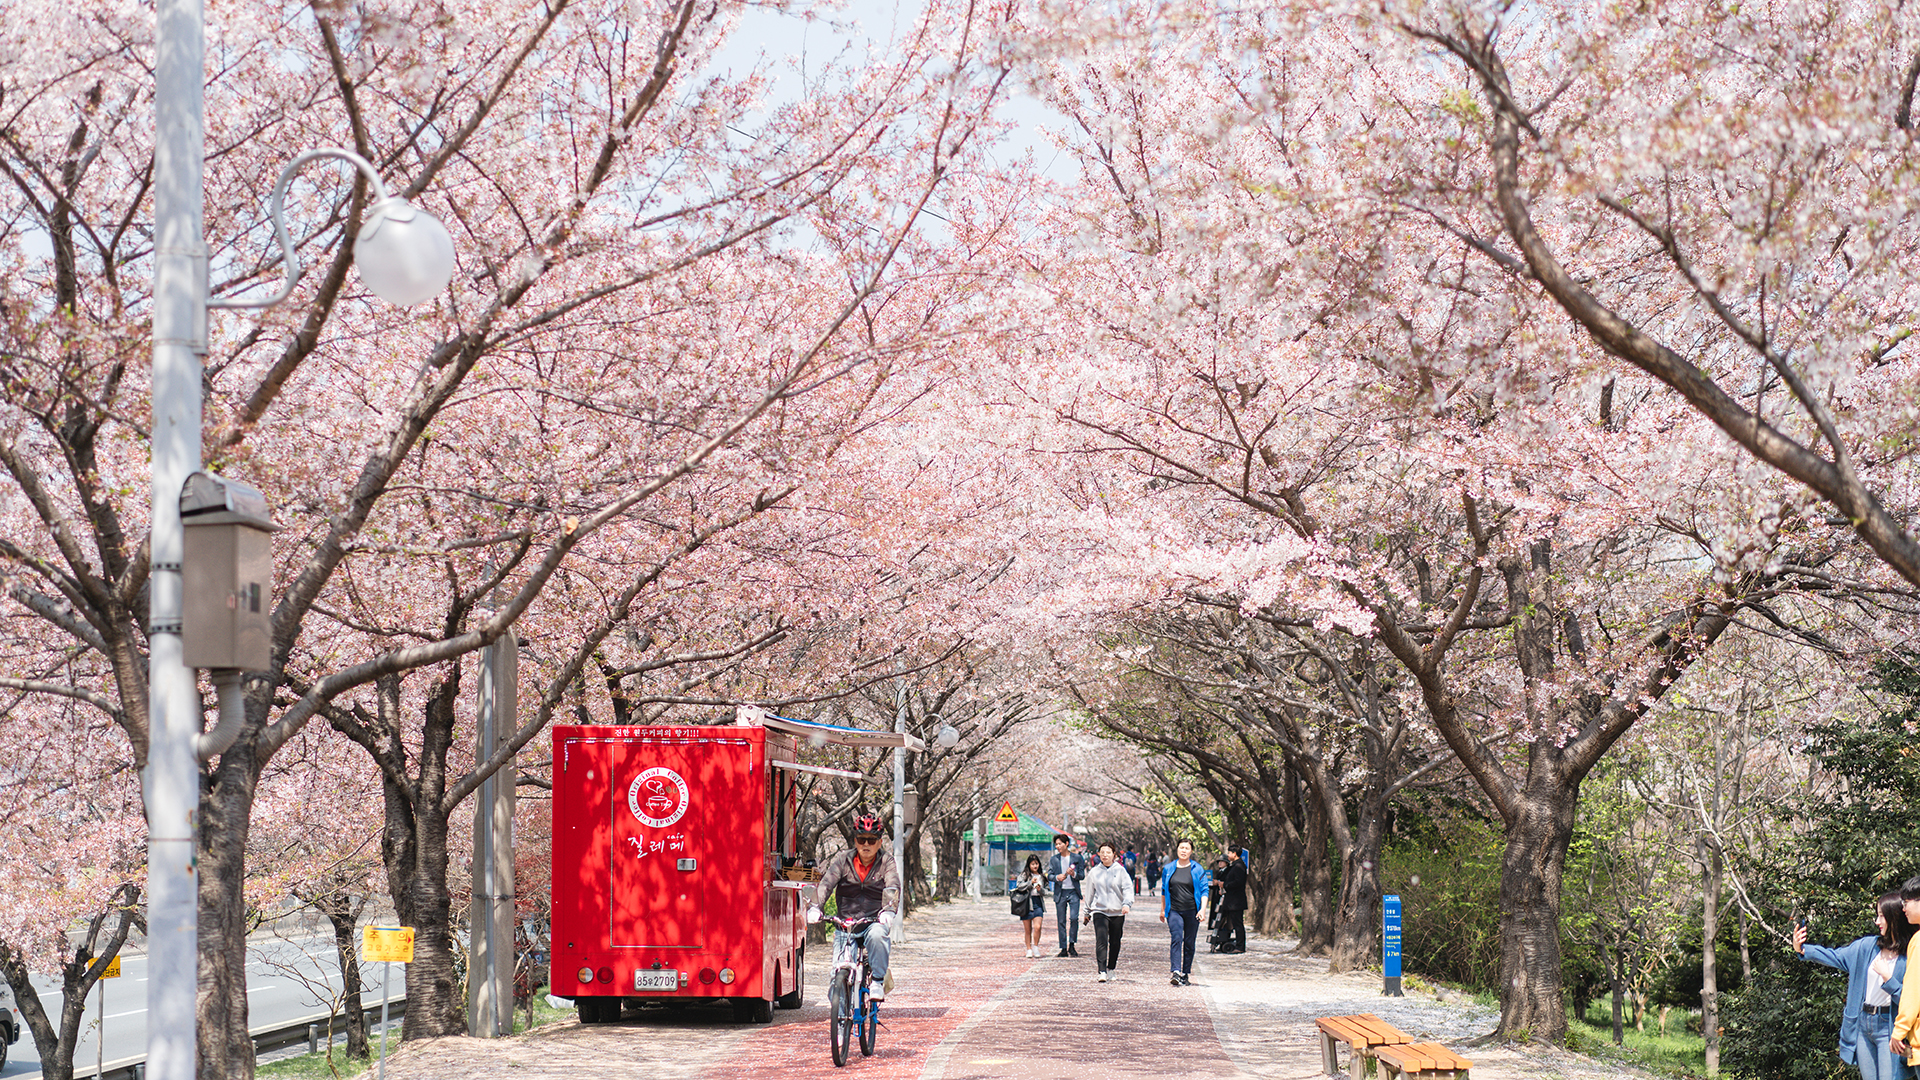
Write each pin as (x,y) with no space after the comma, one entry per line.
(866,882)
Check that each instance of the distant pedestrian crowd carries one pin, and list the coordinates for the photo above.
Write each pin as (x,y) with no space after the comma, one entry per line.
(1100,892)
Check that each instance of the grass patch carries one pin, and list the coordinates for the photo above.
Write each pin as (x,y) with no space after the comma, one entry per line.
(316,1066)
(1680,1052)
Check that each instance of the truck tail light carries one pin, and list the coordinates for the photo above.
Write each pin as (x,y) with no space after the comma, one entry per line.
(707,976)
(586,975)
(605,975)
(726,976)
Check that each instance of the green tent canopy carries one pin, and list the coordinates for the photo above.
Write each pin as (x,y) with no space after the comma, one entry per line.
(1033,833)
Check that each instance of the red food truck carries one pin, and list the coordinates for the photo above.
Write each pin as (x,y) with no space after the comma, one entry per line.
(673,852)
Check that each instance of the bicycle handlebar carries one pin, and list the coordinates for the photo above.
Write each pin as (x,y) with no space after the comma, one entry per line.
(850,925)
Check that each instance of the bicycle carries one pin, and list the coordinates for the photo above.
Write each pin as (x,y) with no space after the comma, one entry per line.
(850,1007)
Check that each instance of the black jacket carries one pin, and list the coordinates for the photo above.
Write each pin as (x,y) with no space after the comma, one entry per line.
(1233,886)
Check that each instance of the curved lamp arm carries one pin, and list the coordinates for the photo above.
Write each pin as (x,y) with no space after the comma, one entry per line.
(288,255)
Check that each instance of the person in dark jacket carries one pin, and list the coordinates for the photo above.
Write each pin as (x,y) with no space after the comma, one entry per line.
(1874,964)
(1233,903)
(864,882)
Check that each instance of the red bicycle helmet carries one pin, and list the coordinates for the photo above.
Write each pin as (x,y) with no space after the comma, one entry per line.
(866,825)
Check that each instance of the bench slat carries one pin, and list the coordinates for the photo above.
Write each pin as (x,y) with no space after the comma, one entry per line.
(1383,1032)
(1408,1057)
(1363,1029)
(1339,1028)
(1421,1058)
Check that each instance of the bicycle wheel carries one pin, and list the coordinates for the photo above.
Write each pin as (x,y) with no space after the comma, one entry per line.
(868,1019)
(840,1016)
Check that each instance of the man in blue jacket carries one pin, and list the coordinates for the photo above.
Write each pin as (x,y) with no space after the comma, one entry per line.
(1064,873)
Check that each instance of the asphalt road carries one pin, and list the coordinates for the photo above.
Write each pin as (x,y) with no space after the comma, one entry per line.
(287,978)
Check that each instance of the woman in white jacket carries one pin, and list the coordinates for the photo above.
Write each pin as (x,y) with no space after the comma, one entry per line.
(1109,897)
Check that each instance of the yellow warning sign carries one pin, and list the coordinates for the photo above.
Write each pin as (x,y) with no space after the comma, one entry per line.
(113,969)
(1006,812)
(393,944)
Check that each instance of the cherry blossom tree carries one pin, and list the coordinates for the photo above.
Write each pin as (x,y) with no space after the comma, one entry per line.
(599,194)
(1669,180)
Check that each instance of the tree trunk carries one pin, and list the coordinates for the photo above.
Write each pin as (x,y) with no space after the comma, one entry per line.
(225,1049)
(1746,957)
(415,852)
(1532,1005)
(1709,960)
(1270,891)
(1316,884)
(1358,915)
(947,844)
(339,909)
(1617,981)
(913,876)
(1270,866)
(55,1044)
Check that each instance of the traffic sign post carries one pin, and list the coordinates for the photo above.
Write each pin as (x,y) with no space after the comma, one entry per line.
(391,945)
(1390,945)
(1006,822)
(100,1017)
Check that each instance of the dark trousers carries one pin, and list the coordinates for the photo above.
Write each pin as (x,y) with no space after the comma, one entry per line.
(1185,928)
(1106,940)
(1233,930)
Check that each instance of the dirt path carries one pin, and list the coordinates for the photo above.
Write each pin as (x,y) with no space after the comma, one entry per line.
(968,1006)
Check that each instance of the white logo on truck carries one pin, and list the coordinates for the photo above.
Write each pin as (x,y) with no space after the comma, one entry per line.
(658,797)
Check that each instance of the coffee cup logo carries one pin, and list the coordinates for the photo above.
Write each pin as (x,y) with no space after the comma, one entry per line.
(658,797)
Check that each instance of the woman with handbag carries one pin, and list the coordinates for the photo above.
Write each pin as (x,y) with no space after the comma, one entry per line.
(1030,903)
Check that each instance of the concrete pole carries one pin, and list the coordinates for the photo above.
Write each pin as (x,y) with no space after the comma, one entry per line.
(900,810)
(170,784)
(979,844)
(490,938)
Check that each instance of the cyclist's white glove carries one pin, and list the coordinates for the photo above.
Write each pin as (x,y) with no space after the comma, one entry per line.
(886,921)
(814,914)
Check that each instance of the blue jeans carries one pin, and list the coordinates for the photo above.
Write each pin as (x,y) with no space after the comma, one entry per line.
(1870,1053)
(1185,928)
(877,945)
(1066,912)
(1871,1050)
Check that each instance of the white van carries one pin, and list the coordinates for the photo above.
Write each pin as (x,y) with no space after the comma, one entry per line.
(9,1022)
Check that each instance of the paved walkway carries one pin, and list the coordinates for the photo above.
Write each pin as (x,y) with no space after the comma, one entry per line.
(968,1006)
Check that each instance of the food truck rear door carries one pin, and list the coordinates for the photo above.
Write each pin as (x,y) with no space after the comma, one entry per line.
(658,890)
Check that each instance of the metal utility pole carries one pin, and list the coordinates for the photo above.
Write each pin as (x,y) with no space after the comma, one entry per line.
(170,783)
(491,920)
(900,811)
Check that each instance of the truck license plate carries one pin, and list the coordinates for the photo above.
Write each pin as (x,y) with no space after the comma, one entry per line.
(656,980)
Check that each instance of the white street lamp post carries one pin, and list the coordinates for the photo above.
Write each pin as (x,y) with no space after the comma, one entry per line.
(405,256)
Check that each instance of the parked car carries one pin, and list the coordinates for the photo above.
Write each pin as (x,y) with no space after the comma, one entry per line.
(9,1022)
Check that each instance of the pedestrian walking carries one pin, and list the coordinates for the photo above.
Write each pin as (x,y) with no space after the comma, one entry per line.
(1109,898)
(1153,869)
(1183,888)
(1029,896)
(1064,872)
(1233,903)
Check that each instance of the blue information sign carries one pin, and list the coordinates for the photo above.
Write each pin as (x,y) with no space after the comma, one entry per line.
(1390,944)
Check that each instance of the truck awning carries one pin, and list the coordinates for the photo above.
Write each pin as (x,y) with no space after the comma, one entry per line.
(821,734)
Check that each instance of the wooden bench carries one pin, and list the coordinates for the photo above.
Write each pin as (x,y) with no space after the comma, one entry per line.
(1364,1033)
(1423,1060)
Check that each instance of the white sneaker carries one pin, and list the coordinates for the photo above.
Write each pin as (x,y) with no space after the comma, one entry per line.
(1103,976)
(877,992)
